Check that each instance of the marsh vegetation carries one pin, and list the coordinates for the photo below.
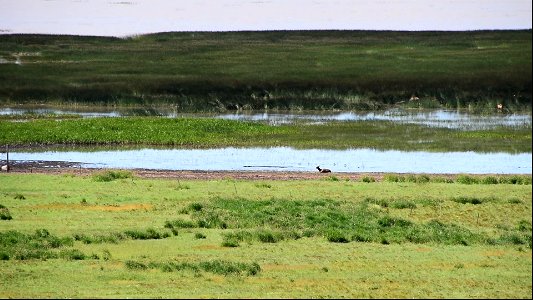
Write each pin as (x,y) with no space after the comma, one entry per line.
(208,71)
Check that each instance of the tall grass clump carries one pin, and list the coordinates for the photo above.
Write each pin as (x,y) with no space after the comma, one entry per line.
(515,179)
(470,200)
(39,245)
(4,213)
(217,266)
(148,234)
(111,175)
(466,179)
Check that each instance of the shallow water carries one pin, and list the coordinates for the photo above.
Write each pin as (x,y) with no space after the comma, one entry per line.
(455,119)
(290,159)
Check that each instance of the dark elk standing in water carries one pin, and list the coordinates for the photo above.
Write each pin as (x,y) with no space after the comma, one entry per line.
(323,170)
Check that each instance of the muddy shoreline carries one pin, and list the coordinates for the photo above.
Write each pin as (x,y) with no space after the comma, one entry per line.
(73,168)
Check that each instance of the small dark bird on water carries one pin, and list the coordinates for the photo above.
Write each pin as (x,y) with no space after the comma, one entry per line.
(323,170)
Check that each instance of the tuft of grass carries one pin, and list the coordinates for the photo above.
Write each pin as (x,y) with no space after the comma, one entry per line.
(466,179)
(110,175)
(217,266)
(403,204)
(464,200)
(19,196)
(148,234)
(39,245)
(368,179)
(4,213)
(199,235)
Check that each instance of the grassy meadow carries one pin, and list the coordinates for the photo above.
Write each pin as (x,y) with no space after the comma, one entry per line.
(113,235)
(213,71)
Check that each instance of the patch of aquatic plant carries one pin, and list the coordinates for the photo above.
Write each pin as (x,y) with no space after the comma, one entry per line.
(4,213)
(107,176)
(218,267)
(39,245)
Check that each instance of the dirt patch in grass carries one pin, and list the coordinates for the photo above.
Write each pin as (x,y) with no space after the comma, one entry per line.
(126,207)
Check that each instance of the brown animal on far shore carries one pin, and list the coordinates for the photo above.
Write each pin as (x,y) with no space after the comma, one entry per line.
(323,170)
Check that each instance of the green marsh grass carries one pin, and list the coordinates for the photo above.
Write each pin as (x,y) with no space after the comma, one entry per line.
(383,235)
(201,133)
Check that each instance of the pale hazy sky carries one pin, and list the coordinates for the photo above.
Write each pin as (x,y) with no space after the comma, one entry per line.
(129,17)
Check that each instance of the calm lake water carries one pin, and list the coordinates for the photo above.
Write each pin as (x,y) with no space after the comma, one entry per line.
(289,159)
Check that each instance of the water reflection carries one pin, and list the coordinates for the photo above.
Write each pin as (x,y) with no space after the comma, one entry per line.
(289,159)
(454,119)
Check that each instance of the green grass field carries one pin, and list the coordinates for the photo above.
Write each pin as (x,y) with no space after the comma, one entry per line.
(203,71)
(112,235)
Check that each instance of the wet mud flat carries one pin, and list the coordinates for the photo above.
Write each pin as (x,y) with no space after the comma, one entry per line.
(76,168)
